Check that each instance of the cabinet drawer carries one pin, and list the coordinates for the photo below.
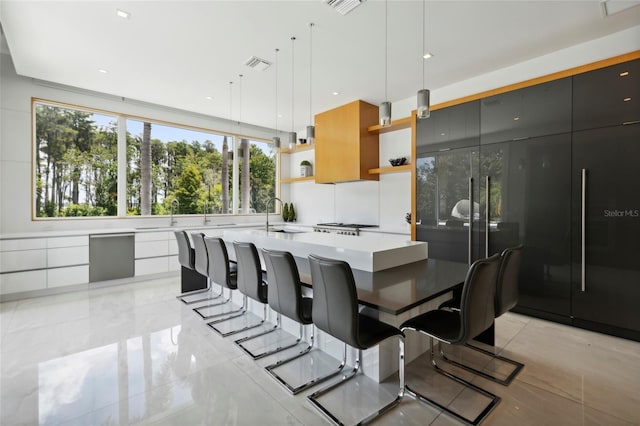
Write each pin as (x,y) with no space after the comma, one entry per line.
(152,266)
(68,241)
(60,277)
(154,236)
(23,244)
(65,256)
(21,260)
(151,249)
(16,282)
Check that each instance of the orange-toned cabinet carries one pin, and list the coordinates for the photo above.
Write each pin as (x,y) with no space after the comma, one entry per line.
(344,148)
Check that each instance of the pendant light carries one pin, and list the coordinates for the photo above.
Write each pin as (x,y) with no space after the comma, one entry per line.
(311,129)
(276,138)
(230,153)
(240,149)
(423,95)
(385,107)
(292,134)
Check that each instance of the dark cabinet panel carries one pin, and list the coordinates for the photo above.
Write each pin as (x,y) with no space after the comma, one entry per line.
(610,292)
(529,202)
(607,97)
(453,127)
(446,216)
(543,109)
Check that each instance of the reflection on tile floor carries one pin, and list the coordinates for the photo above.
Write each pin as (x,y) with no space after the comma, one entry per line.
(134,354)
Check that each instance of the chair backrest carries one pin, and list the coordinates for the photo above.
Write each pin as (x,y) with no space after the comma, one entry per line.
(219,270)
(507,281)
(478,296)
(200,249)
(335,299)
(285,290)
(250,280)
(186,255)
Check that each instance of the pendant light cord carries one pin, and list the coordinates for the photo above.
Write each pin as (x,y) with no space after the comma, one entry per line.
(423,42)
(276,69)
(386,48)
(293,39)
(231,105)
(310,69)
(240,114)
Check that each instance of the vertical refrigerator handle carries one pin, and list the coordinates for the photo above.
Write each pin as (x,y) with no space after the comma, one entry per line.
(470,255)
(583,232)
(487,217)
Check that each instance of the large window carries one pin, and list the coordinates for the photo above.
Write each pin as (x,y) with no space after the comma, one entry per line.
(75,162)
(191,170)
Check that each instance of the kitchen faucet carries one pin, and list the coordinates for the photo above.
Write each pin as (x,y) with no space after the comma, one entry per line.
(177,207)
(267,208)
(206,207)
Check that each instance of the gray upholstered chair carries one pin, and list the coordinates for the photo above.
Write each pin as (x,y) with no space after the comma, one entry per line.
(506,297)
(201,266)
(285,297)
(476,314)
(335,311)
(251,283)
(187,260)
(223,273)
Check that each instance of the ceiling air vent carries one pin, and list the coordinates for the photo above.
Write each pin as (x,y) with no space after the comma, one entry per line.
(344,6)
(257,63)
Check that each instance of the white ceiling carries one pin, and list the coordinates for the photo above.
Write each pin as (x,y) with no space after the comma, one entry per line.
(176,53)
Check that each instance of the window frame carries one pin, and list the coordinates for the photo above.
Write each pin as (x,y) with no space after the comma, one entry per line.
(122,163)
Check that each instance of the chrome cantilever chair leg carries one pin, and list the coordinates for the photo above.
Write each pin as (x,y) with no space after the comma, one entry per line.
(245,310)
(199,309)
(506,381)
(314,397)
(266,352)
(316,380)
(480,417)
(186,297)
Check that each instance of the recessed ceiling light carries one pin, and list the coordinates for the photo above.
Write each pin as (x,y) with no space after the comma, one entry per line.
(279,115)
(102,71)
(624,74)
(336,93)
(208,98)
(122,14)
(516,118)
(626,99)
(427,55)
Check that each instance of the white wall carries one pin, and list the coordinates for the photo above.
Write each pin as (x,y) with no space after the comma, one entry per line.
(16,154)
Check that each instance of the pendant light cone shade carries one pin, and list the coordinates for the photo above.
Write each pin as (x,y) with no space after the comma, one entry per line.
(424,98)
(424,95)
(385,114)
(293,136)
(276,138)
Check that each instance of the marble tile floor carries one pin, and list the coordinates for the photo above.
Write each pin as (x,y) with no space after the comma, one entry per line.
(134,354)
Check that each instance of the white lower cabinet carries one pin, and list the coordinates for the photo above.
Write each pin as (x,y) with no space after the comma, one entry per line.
(152,265)
(16,282)
(60,277)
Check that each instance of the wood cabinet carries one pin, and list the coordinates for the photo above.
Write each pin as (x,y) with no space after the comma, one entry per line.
(344,148)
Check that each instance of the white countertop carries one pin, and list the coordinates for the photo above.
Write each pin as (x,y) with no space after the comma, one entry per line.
(367,252)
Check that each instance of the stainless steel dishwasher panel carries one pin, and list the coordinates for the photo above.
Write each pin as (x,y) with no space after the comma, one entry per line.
(111,256)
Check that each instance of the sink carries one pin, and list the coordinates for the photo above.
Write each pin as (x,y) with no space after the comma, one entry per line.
(288,231)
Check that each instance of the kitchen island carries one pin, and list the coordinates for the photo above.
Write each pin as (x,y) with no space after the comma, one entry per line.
(395,281)
(370,252)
